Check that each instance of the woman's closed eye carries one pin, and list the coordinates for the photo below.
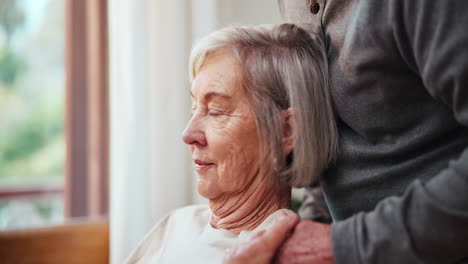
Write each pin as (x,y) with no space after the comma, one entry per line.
(212,111)
(215,112)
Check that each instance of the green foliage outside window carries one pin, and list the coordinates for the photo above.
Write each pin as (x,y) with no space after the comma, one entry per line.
(11,65)
(32,148)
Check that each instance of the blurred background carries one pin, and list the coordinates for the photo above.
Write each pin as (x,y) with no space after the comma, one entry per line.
(32,89)
(94,96)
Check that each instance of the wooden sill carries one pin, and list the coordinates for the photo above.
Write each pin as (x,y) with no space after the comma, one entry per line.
(83,241)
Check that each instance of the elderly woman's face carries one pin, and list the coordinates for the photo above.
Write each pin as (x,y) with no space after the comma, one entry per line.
(222,134)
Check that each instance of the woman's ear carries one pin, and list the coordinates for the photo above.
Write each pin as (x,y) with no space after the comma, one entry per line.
(288,138)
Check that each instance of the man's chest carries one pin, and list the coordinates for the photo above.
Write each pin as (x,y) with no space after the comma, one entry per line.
(375,88)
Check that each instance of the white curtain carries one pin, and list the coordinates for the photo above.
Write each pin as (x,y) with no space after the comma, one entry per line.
(150,167)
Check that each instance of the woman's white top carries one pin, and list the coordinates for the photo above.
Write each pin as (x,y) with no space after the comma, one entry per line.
(186,236)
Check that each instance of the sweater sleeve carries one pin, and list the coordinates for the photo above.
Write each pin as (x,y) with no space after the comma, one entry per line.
(429,223)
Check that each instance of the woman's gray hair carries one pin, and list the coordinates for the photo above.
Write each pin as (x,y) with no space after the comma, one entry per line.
(282,67)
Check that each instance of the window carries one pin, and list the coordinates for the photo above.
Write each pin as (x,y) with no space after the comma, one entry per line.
(53,111)
(32,90)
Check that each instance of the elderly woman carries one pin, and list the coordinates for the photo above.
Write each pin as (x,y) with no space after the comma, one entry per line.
(261,123)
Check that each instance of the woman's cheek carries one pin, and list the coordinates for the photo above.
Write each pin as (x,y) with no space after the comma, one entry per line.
(237,168)
(219,123)
(233,144)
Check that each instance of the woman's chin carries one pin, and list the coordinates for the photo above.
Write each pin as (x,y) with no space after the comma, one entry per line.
(207,189)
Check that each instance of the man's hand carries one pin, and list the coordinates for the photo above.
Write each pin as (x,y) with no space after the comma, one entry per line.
(309,243)
(262,246)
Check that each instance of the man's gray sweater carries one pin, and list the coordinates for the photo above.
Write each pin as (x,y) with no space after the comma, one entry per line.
(398,191)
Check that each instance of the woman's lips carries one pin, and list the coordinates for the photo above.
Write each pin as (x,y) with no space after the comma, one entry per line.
(202,165)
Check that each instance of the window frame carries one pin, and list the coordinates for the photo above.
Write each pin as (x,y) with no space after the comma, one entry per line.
(86,126)
(87,109)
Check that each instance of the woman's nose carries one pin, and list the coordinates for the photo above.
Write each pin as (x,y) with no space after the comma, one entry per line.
(193,133)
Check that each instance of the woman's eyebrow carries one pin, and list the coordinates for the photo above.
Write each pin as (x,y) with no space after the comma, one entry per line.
(211,94)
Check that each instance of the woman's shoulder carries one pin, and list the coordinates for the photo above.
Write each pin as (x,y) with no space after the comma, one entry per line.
(193,209)
(191,216)
(196,210)
(176,226)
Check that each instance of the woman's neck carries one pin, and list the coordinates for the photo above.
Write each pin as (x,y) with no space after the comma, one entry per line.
(248,209)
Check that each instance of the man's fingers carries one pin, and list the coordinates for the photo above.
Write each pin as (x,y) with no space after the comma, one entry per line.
(280,229)
(258,234)
(263,244)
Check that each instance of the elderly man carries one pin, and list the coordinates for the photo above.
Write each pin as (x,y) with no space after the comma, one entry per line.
(398,191)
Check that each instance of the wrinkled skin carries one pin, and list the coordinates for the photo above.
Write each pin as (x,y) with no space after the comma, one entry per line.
(223,138)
